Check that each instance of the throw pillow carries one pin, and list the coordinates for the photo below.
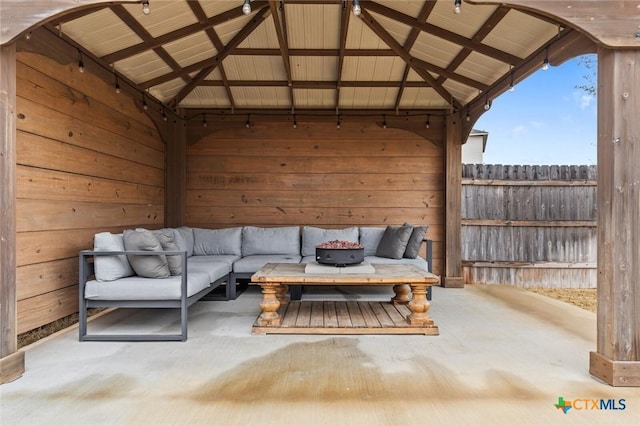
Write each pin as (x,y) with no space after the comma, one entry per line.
(415,241)
(146,266)
(110,268)
(394,242)
(169,244)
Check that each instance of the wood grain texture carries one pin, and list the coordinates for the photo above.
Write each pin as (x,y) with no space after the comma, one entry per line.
(88,160)
(274,175)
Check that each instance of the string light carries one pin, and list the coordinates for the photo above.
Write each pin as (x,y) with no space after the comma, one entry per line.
(145,8)
(80,62)
(357,10)
(457,6)
(117,84)
(164,115)
(295,123)
(545,63)
(204,120)
(144,102)
(384,121)
(428,123)
(487,103)
(338,123)
(246,7)
(512,88)
(248,123)
(468,117)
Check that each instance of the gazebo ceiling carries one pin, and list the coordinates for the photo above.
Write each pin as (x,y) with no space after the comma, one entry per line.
(314,55)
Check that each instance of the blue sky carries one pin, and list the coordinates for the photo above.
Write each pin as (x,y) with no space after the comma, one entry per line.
(545,121)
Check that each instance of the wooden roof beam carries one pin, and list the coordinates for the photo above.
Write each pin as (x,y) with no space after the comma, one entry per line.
(308,84)
(426,10)
(283,41)
(208,65)
(442,33)
(395,46)
(247,51)
(221,18)
(484,31)
(124,15)
(200,14)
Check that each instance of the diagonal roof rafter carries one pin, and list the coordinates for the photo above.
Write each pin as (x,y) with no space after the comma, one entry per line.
(200,14)
(427,8)
(412,62)
(208,65)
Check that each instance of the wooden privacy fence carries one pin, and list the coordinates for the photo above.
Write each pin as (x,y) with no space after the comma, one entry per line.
(529,226)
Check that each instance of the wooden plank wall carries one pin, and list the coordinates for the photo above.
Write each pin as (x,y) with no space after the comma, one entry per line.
(87,161)
(272,174)
(530,226)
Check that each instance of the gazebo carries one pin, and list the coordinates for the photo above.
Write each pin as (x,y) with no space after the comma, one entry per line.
(218,113)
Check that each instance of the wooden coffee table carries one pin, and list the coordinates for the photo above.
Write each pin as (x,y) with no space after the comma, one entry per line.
(406,313)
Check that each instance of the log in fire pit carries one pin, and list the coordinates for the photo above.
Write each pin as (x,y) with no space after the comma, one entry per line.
(339,253)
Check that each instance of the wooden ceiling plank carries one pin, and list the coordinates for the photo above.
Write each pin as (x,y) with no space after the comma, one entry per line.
(208,65)
(328,85)
(221,18)
(443,33)
(395,46)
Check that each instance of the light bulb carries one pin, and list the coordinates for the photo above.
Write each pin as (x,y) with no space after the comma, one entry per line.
(487,106)
(512,88)
(457,7)
(80,65)
(357,10)
(145,8)
(545,64)
(117,87)
(246,8)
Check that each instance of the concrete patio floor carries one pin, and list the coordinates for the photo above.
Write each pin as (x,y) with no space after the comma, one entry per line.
(503,356)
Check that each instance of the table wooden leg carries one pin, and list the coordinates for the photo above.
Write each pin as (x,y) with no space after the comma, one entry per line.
(282,294)
(269,305)
(419,306)
(402,294)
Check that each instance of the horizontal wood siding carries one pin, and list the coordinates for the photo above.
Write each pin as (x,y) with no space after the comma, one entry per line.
(529,225)
(88,160)
(271,174)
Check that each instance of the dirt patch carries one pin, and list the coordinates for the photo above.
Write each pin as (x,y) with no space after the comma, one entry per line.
(585,298)
(36,334)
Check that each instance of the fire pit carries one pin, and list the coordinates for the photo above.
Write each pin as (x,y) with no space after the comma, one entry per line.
(339,253)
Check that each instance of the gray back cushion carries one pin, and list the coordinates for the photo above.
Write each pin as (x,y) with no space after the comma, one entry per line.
(184,239)
(146,266)
(217,241)
(415,241)
(370,237)
(282,240)
(394,242)
(168,243)
(312,237)
(110,268)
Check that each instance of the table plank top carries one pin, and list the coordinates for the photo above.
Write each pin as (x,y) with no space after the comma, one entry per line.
(384,274)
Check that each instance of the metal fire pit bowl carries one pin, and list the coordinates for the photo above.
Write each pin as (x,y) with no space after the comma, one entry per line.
(339,257)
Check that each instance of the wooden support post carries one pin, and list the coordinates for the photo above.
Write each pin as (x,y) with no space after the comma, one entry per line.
(453,195)
(11,360)
(617,360)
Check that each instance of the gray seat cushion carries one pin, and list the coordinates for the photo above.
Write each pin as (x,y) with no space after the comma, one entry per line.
(139,288)
(209,264)
(253,263)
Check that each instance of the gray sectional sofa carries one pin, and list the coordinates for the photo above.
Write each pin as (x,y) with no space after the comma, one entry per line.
(175,267)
